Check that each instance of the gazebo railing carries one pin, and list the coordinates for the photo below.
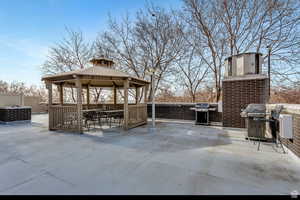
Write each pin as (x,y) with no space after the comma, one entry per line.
(63,117)
(104,106)
(137,115)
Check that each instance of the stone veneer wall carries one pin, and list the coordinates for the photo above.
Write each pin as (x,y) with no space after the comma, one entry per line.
(238,92)
(180,111)
(294,110)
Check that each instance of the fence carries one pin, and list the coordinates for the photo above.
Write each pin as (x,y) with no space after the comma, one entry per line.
(63,118)
(137,115)
(11,100)
(181,111)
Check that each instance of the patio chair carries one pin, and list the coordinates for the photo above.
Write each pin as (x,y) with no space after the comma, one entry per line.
(90,118)
(103,116)
(119,117)
(113,118)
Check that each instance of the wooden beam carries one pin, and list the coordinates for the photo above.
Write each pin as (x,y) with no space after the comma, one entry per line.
(102,78)
(79,105)
(126,114)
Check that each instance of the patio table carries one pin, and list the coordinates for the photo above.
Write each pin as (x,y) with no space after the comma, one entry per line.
(110,114)
(100,113)
(112,111)
(92,110)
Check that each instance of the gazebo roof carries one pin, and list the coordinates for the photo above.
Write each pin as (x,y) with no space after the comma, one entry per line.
(96,75)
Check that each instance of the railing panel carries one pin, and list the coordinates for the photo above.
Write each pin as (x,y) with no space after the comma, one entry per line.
(63,118)
(103,106)
(137,114)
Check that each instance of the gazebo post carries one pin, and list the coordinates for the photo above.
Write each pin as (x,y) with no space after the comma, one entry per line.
(61,94)
(145,93)
(137,95)
(88,95)
(126,86)
(49,88)
(79,105)
(115,96)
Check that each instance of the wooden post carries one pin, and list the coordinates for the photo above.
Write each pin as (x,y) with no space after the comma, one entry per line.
(145,101)
(145,93)
(79,105)
(61,94)
(88,96)
(115,95)
(126,114)
(50,114)
(137,95)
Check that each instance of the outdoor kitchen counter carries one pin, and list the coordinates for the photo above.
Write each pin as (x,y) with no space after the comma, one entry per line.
(287,108)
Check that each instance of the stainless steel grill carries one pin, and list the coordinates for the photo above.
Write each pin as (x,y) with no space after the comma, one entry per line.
(254,114)
(256,118)
(202,113)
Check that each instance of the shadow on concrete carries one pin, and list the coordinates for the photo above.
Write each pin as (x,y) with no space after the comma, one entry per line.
(166,137)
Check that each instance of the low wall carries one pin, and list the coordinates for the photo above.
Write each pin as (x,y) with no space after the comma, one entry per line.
(180,111)
(11,100)
(294,110)
(35,103)
(19,100)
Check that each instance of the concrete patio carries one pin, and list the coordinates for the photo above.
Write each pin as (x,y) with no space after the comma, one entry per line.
(175,158)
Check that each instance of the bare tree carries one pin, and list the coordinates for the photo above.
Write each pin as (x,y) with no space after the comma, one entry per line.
(228,27)
(255,25)
(153,40)
(72,53)
(3,87)
(209,33)
(191,71)
(18,88)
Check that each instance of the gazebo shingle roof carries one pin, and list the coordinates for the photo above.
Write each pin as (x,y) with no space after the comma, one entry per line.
(97,71)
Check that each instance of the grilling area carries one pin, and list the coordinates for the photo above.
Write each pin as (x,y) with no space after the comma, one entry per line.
(240,145)
(244,103)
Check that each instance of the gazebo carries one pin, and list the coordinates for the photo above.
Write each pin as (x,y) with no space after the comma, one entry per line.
(101,75)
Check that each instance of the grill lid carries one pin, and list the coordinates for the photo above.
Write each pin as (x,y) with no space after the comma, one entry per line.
(202,105)
(254,110)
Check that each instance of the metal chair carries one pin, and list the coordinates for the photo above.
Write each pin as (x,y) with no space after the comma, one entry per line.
(88,118)
(116,118)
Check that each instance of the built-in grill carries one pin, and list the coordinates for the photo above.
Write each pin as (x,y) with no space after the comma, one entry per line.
(256,118)
(254,114)
(202,113)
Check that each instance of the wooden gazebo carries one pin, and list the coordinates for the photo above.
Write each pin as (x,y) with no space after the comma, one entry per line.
(101,75)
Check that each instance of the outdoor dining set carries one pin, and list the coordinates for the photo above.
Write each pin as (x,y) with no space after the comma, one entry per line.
(101,117)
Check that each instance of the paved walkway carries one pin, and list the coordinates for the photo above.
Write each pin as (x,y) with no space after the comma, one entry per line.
(175,158)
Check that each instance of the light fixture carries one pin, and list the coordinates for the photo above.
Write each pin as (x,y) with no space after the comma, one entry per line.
(151,71)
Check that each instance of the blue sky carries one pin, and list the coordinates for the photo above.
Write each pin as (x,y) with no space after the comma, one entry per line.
(29,27)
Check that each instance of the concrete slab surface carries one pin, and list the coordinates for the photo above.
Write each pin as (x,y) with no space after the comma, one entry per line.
(173,158)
